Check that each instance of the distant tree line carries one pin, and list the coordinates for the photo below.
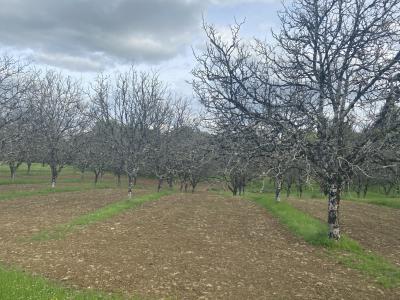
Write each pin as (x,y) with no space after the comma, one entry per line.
(127,124)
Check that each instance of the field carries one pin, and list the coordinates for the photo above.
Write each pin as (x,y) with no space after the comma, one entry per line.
(87,242)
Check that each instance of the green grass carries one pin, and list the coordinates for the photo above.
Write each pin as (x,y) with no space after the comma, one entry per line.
(106,212)
(17,285)
(376,199)
(36,180)
(346,250)
(372,198)
(312,191)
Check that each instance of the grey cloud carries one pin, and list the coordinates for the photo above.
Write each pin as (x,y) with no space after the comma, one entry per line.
(80,34)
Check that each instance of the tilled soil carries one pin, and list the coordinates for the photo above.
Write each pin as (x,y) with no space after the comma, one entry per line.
(377,228)
(196,246)
(25,216)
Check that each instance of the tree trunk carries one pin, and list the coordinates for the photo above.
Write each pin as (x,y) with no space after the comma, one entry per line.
(278,188)
(365,189)
(160,182)
(54,173)
(96,177)
(263,186)
(118,179)
(299,186)
(234,190)
(130,185)
(300,189)
(170,182)
(333,211)
(13,170)
(194,184)
(289,187)
(29,168)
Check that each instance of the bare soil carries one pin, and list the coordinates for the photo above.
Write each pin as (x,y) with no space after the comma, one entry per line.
(25,216)
(376,227)
(186,246)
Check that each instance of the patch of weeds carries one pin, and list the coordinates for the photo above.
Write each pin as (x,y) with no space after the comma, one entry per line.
(346,250)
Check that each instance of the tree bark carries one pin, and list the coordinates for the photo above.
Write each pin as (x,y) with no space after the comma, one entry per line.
(170,182)
(263,186)
(289,187)
(278,189)
(54,173)
(13,170)
(333,211)
(160,182)
(365,188)
(96,177)
(130,185)
(29,168)
(193,184)
(118,179)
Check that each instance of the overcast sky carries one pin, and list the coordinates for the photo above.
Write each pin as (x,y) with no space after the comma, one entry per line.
(84,37)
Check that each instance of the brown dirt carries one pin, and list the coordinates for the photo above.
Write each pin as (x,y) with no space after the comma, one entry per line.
(20,187)
(24,216)
(377,228)
(192,247)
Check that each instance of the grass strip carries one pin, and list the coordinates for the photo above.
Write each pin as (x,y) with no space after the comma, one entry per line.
(348,251)
(376,199)
(46,191)
(35,180)
(106,212)
(17,285)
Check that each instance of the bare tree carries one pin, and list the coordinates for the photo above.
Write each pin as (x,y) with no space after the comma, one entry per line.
(130,112)
(59,113)
(334,67)
(342,56)
(15,91)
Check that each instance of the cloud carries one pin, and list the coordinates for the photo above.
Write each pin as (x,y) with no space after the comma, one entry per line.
(235,2)
(80,34)
(91,35)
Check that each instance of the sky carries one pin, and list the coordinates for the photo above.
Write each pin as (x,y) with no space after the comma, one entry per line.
(85,37)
